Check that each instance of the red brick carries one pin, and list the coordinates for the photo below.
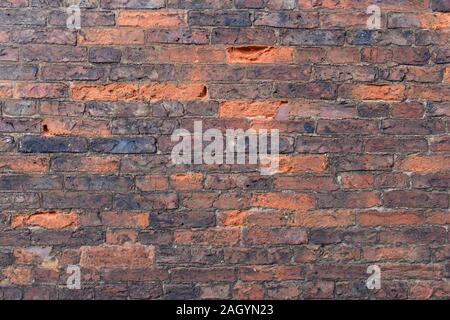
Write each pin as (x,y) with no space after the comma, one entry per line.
(48,220)
(151,19)
(259,54)
(125,256)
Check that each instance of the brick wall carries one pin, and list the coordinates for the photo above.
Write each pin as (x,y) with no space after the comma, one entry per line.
(86,177)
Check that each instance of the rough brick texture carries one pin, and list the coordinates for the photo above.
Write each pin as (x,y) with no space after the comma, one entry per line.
(86,176)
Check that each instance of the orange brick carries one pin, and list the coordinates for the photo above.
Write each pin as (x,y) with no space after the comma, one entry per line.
(357,180)
(125,256)
(79,127)
(125,219)
(372,91)
(425,164)
(242,108)
(259,54)
(108,92)
(322,219)
(191,54)
(24,163)
(236,218)
(47,220)
(17,276)
(4,36)
(376,218)
(434,20)
(152,183)
(187,181)
(279,200)
(108,36)
(152,19)
(447,75)
(172,91)
(302,163)
(6,90)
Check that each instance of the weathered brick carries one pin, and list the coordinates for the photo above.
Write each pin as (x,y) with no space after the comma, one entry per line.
(39,144)
(123,145)
(48,220)
(117,256)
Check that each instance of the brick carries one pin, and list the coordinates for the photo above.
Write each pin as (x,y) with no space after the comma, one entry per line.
(374,218)
(322,219)
(305,182)
(189,181)
(311,38)
(192,54)
(152,183)
(98,183)
(177,36)
(78,200)
(82,127)
(123,145)
(203,275)
(238,108)
(415,199)
(259,54)
(293,236)
(286,19)
(8,72)
(145,201)
(104,55)
(372,92)
(107,92)
(271,273)
(110,36)
(318,90)
(217,236)
(88,18)
(220,18)
(441,5)
(243,36)
(125,220)
(9,54)
(41,90)
(432,93)
(41,36)
(24,163)
(38,144)
(150,19)
(48,220)
(97,164)
(424,164)
(412,127)
(72,73)
(117,256)
(172,91)
(283,200)
(53,53)
(342,199)
(293,164)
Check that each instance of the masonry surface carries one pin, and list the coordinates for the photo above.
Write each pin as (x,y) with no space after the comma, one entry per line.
(86,176)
